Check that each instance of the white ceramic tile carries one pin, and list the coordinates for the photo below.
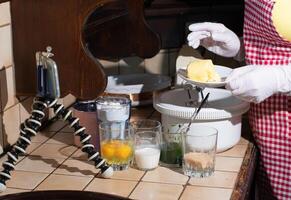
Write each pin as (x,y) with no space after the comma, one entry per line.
(8,93)
(13,191)
(165,175)
(159,64)
(42,136)
(25,180)
(5,13)
(110,67)
(229,164)
(55,126)
(205,193)
(131,65)
(25,109)
(1,135)
(173,55)
(62,138)
(77,168)
(54,151)
(110,186)
(63,182)
(237,151)
(1,132)
(39,164)
(0,93)
(130,174)
(11,123)
(217,180)
(69,100)
(153,191)
(5,47)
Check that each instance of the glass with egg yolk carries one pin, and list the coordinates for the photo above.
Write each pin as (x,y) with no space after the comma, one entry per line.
(116,144)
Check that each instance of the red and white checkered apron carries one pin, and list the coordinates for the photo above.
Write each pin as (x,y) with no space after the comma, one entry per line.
(271,119)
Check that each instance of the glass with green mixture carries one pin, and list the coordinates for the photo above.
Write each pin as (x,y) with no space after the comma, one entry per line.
(171,147)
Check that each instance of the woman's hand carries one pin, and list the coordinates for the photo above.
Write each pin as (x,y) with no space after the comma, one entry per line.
(255,83)
(215,37)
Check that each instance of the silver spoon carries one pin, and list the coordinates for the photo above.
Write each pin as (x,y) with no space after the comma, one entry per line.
(197,110)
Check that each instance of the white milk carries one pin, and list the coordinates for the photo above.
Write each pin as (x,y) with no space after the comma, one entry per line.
(147,157)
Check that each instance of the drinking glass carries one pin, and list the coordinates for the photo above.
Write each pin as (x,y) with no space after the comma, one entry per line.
(199,149)
(113,108)
(171,147)
(147,144)
(117,144)
(147,125)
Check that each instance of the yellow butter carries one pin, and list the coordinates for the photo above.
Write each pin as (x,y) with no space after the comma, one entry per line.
(202,71)
(281,16)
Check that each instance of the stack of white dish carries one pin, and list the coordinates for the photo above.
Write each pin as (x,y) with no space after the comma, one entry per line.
(139,87)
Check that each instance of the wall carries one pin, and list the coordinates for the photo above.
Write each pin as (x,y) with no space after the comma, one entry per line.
(162,63)
(13,110)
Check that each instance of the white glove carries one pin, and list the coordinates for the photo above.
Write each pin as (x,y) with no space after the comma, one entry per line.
(255,83)
(215,37)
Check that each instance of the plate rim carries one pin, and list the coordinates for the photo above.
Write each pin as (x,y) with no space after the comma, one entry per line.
(180,73)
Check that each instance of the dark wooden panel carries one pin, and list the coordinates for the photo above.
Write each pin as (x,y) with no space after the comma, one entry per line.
(57,23)
(170,18)
(119,29)
(60,24)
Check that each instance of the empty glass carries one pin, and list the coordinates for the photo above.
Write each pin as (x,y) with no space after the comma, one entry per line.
(147,125)
(117,144)
(199,149)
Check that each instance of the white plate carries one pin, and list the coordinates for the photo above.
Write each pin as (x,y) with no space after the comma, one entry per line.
(221,70)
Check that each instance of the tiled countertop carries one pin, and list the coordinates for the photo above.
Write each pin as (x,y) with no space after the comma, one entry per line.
(54,163)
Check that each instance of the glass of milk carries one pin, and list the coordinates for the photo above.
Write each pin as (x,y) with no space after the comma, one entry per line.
(147,144)
(199,149)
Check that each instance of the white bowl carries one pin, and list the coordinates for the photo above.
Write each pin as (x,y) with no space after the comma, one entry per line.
(222,111)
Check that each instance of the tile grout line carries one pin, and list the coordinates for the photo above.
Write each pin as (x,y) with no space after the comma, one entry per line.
(139,181)
(58,130)
(51,172)
(47,175)
(5,25)
(8,108)
(87,185)
(219,187)
(228,156)
(165,182)
(19,188)
(184,188)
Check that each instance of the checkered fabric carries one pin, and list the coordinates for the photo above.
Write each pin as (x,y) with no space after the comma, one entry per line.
(271,119)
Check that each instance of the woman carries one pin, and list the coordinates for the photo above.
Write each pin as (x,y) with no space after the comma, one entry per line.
(265,81)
